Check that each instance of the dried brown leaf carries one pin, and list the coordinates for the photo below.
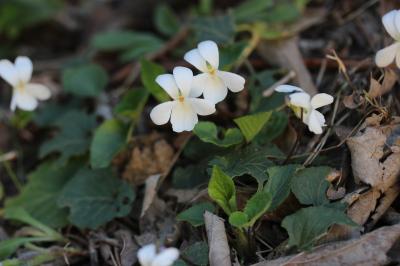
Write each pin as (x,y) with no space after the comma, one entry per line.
(219,254)
(152,155)
(370,249)
(150,192)
(377,89)
(370,162)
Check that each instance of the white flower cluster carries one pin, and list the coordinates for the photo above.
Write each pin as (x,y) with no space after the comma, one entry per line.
(148,256)
(305,107)
(386,56)
(18,75)
(185,89)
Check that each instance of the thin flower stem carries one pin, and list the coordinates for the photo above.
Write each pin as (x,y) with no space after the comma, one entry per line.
(12,175)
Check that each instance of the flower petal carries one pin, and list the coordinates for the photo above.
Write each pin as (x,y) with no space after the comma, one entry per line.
(300,99)
(23,101)
(194,57)
(397,59)
(288,88)
(39,91)
(161,113)
(183,117)
(8,72)
(385,56)
(214,88)
(24,67)
(396,26)
(389,22)
(233,81)
(167,82)
(314,122)
(201,106)
(166,257)
(321,99)
(146,255)
(183,78)
(209,51)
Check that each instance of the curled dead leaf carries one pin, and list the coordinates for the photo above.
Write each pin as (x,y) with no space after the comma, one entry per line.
(377,89)
(353,100)
(370,249)
(372,162)
(219,254)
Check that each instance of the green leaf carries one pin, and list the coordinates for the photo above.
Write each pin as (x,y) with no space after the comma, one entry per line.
(197,253)
(273,129)
(21,215)
(165,20)
(85,80)
(114,40)
(9,246)
(144,46)
(132,103)
(194,215)
(220,29)
(190,176)
(208,132)
(265,79)
(251,125)
(306,225)
(222,190)
(229,54)
(256,206)
(309,185)
(279,181)
(17,15)
(73,138)
(238,219)
(250,8)
(149,72)
(40,194)
(179,262)
(109,139)
(133,45)
(252,160)
(95,197)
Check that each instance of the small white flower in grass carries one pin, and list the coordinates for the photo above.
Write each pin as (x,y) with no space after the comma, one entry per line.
(148,256)
(185,107)
(25,94)
(213,83)
(384,57)
(304,106)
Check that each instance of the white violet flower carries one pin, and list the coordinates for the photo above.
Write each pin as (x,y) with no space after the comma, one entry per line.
(18,75)
(305,107)
(148,256)
(384,57)
(185,107)
(213,83)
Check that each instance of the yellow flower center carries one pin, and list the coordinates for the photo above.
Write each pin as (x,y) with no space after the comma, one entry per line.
(211,69)
(181,98)
(20,86)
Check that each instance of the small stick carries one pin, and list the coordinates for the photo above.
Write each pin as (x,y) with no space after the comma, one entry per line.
(282,81)
(8,156)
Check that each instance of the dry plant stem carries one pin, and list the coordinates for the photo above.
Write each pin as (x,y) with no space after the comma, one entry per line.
(288,77)
(317,149)
(12,175)
(359,11)
(296,143)
(8,156)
